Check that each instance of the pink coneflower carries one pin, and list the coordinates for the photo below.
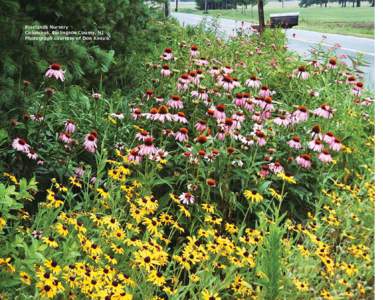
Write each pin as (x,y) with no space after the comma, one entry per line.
(325,156)
(267,104)
(168,54)
(214,71)
(200,94)
(219,112)
(79,171)
(90,142)
(265,91)
(315,63)
(134,155)
(247,141)
(264,172)
(194,78)
(70,126)
(183,82)
(276,167)
(187,198)
(228,124)
(152,114)
(175,102)
(336,145)
(180,117)
(316,132)
(316,145)
(200,126)
(37,117)
(357,89)
(239,100)
(301,73)
(148,95)
(165,71)
(117,115)
(202,153)
(295,143)
(65,137)
(324,111)
(351,79)
(31,154)
(182,135)
(331,63)
(300,115)
(21,145)
(283,120)
(194,51)
(142,135)
(147,148)
(238,116)
(304,161)
(227,69)
(96,96)
(55,71)
(159,99)
(160,154)
(236,82)
(226,82)
(313,93)
(329,137)
(249,104)
(253,82)
(136,113)
(261,140)
(367,101)
(163,114)
(202,62)
(257,117)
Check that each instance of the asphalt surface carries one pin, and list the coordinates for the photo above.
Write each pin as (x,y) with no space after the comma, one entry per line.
(302,41)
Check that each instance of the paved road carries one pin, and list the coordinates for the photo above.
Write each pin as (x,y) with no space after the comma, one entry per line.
(301,41)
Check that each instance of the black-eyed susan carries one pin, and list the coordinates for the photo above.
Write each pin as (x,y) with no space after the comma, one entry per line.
(25,278)
(117,249)
(253,196)
(231,228)
(62,229)
(157,278)
(207,295)
(301,285)
(152,225)
(50,241)
(53,266)
(208,207)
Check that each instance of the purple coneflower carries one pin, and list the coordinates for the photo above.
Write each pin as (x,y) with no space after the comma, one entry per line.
(304,161)
(90,142)
(21,145)
(55,71)
(295,143)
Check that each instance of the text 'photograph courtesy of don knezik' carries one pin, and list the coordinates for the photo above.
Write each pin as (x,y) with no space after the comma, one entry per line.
(62,33)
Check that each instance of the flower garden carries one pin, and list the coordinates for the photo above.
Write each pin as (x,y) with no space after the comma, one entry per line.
(232,169)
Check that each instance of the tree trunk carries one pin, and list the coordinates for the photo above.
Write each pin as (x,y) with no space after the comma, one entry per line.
(357,3)
(353,3)
(176,5)
(261,15)
(373,3)
(167,8)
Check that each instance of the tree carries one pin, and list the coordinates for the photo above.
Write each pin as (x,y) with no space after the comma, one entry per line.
(167,11)
(261,15)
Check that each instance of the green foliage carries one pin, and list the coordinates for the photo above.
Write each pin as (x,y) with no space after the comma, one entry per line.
(127,22)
